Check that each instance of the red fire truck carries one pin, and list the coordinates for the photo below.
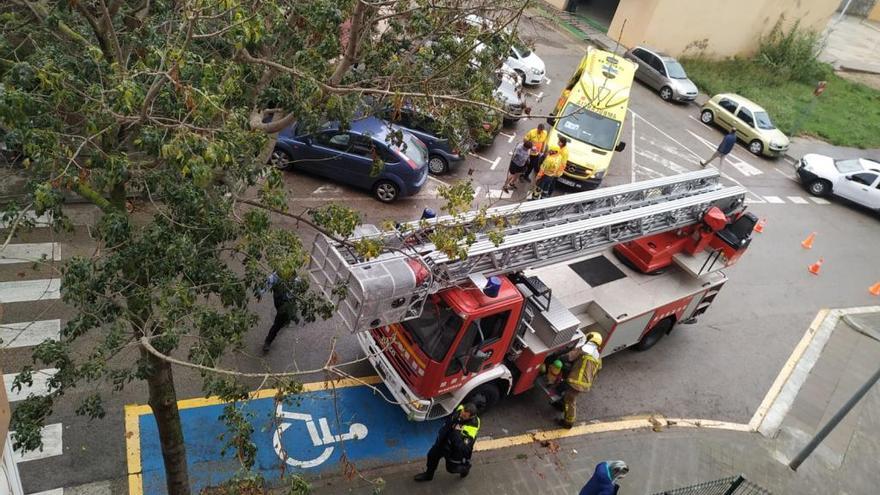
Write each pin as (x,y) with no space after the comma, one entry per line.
(628,262)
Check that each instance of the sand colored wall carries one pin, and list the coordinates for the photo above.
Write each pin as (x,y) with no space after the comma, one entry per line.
(720,28)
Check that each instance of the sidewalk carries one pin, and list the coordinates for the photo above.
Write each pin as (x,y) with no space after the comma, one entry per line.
(665,457)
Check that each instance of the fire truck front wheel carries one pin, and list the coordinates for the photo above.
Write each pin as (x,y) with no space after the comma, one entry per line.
(484,397)
(656,333)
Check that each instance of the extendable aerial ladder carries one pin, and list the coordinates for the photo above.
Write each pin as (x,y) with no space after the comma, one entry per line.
(394,286)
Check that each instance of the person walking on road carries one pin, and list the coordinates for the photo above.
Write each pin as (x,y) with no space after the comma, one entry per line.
(551,168)
(518,163)
(284,298)
(586,363)
(538,137)
(605,478)
(724,149)
(455,443)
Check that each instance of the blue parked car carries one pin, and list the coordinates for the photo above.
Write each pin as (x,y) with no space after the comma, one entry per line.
(347,156)
(442,156)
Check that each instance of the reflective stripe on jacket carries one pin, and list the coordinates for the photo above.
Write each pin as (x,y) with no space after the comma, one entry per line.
(584,372)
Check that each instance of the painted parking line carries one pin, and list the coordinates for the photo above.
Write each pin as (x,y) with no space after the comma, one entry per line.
(30,252)
(510,138)
(494,162)
(28,333)
(310,435)
(30,290)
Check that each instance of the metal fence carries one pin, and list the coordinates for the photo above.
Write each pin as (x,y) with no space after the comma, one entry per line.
(734,485)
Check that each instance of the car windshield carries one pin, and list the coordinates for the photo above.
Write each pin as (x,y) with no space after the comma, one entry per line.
(676,71)
(436,329)
(762,120)
(590,127)
(521,48)
(847,166)
(413,149)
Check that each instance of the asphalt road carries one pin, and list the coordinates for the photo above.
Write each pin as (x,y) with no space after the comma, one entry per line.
(718,368)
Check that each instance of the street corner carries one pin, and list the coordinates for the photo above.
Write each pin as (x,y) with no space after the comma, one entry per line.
(316,432)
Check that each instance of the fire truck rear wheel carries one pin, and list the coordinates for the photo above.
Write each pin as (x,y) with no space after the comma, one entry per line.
(655,334)
(484,397)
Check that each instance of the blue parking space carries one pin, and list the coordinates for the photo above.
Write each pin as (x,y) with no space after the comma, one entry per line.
(308,436)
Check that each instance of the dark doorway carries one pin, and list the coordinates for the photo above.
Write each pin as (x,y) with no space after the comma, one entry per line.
(597,13)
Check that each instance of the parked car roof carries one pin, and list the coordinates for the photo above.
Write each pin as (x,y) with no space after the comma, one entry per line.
(741,100)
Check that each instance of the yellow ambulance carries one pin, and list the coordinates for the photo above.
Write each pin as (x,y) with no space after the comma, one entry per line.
(590,115)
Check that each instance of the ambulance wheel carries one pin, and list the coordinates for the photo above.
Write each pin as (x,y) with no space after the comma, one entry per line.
(484,397)
(655,334)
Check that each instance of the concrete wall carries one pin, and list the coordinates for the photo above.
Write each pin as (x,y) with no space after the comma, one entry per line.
(719,27)
(559,4)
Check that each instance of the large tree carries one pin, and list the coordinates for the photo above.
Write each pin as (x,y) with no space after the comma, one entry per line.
(172,105)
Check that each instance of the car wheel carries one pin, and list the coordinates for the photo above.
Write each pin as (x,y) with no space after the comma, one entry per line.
(437,165)
(666,93)
(386,191)
(819,187)
(756,147)
(707,117)
(484,397)
(655,334)
(280,159)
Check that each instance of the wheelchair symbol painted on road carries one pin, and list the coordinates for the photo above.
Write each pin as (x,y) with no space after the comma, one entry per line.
(356,431)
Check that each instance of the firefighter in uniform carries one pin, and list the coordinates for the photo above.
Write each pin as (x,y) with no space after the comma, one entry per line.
(586,363)
(455,443)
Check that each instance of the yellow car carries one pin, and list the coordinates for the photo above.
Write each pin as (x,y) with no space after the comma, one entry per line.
(753,125)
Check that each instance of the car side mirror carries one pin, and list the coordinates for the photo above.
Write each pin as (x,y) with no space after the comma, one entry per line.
(475,361)
(620,146)
(307,140)
(551,122)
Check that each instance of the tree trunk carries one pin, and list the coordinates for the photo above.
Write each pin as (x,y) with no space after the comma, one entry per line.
(163,401)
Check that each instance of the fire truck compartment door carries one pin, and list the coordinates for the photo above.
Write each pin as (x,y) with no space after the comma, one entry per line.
(626,333)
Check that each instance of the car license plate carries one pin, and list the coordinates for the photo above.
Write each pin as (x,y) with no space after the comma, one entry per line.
(567,182)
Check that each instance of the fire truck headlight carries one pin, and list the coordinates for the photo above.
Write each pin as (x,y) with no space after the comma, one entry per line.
(420,405)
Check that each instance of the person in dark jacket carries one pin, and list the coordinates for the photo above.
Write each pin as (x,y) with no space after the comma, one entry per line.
(605,478)
(724,149)
(455,443)
(284,298)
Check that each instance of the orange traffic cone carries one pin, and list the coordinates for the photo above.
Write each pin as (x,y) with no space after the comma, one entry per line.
(808,242)
(815,267)
(759,227)
(874,289)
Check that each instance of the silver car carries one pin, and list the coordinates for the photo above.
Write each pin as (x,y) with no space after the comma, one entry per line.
(662,73)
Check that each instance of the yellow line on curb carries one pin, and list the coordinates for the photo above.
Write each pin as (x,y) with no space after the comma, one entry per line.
(787,369)
(133,451)
(652,422)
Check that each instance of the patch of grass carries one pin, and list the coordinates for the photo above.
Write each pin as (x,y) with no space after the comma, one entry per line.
(846,114)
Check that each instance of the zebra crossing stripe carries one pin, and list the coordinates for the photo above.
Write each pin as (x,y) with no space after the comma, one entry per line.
(774,200)
(30,290)
(40,385)
(28,333)
(39,220)
(28,253)
(797,200)
(820,201)
(52,445)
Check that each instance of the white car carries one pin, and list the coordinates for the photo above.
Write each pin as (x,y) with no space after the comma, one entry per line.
(855,179)
(521,59)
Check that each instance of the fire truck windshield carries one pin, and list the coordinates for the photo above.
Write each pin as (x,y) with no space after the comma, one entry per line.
(436,329)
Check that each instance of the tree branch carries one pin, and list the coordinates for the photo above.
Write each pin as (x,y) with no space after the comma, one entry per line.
(354,38)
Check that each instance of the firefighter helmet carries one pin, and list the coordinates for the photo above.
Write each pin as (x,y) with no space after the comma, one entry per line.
(594,337)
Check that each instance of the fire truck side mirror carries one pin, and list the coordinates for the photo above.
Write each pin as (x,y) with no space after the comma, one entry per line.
(475,361)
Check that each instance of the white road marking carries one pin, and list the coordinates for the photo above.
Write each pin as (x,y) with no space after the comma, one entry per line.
(28,253)
(40,384)
(670,149)
(632,151)
(28,333)
(510,138)
(649,172)
(751,201)
(663,162)
(30,290)
(431,177)
(775,200)
(495,163)
(547,79)
(41,220)
(820,201)
(743,167)
(56,491)
(477,191)
(327,189)
(498,194)
(51,445)
(797,200)
(787,176)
